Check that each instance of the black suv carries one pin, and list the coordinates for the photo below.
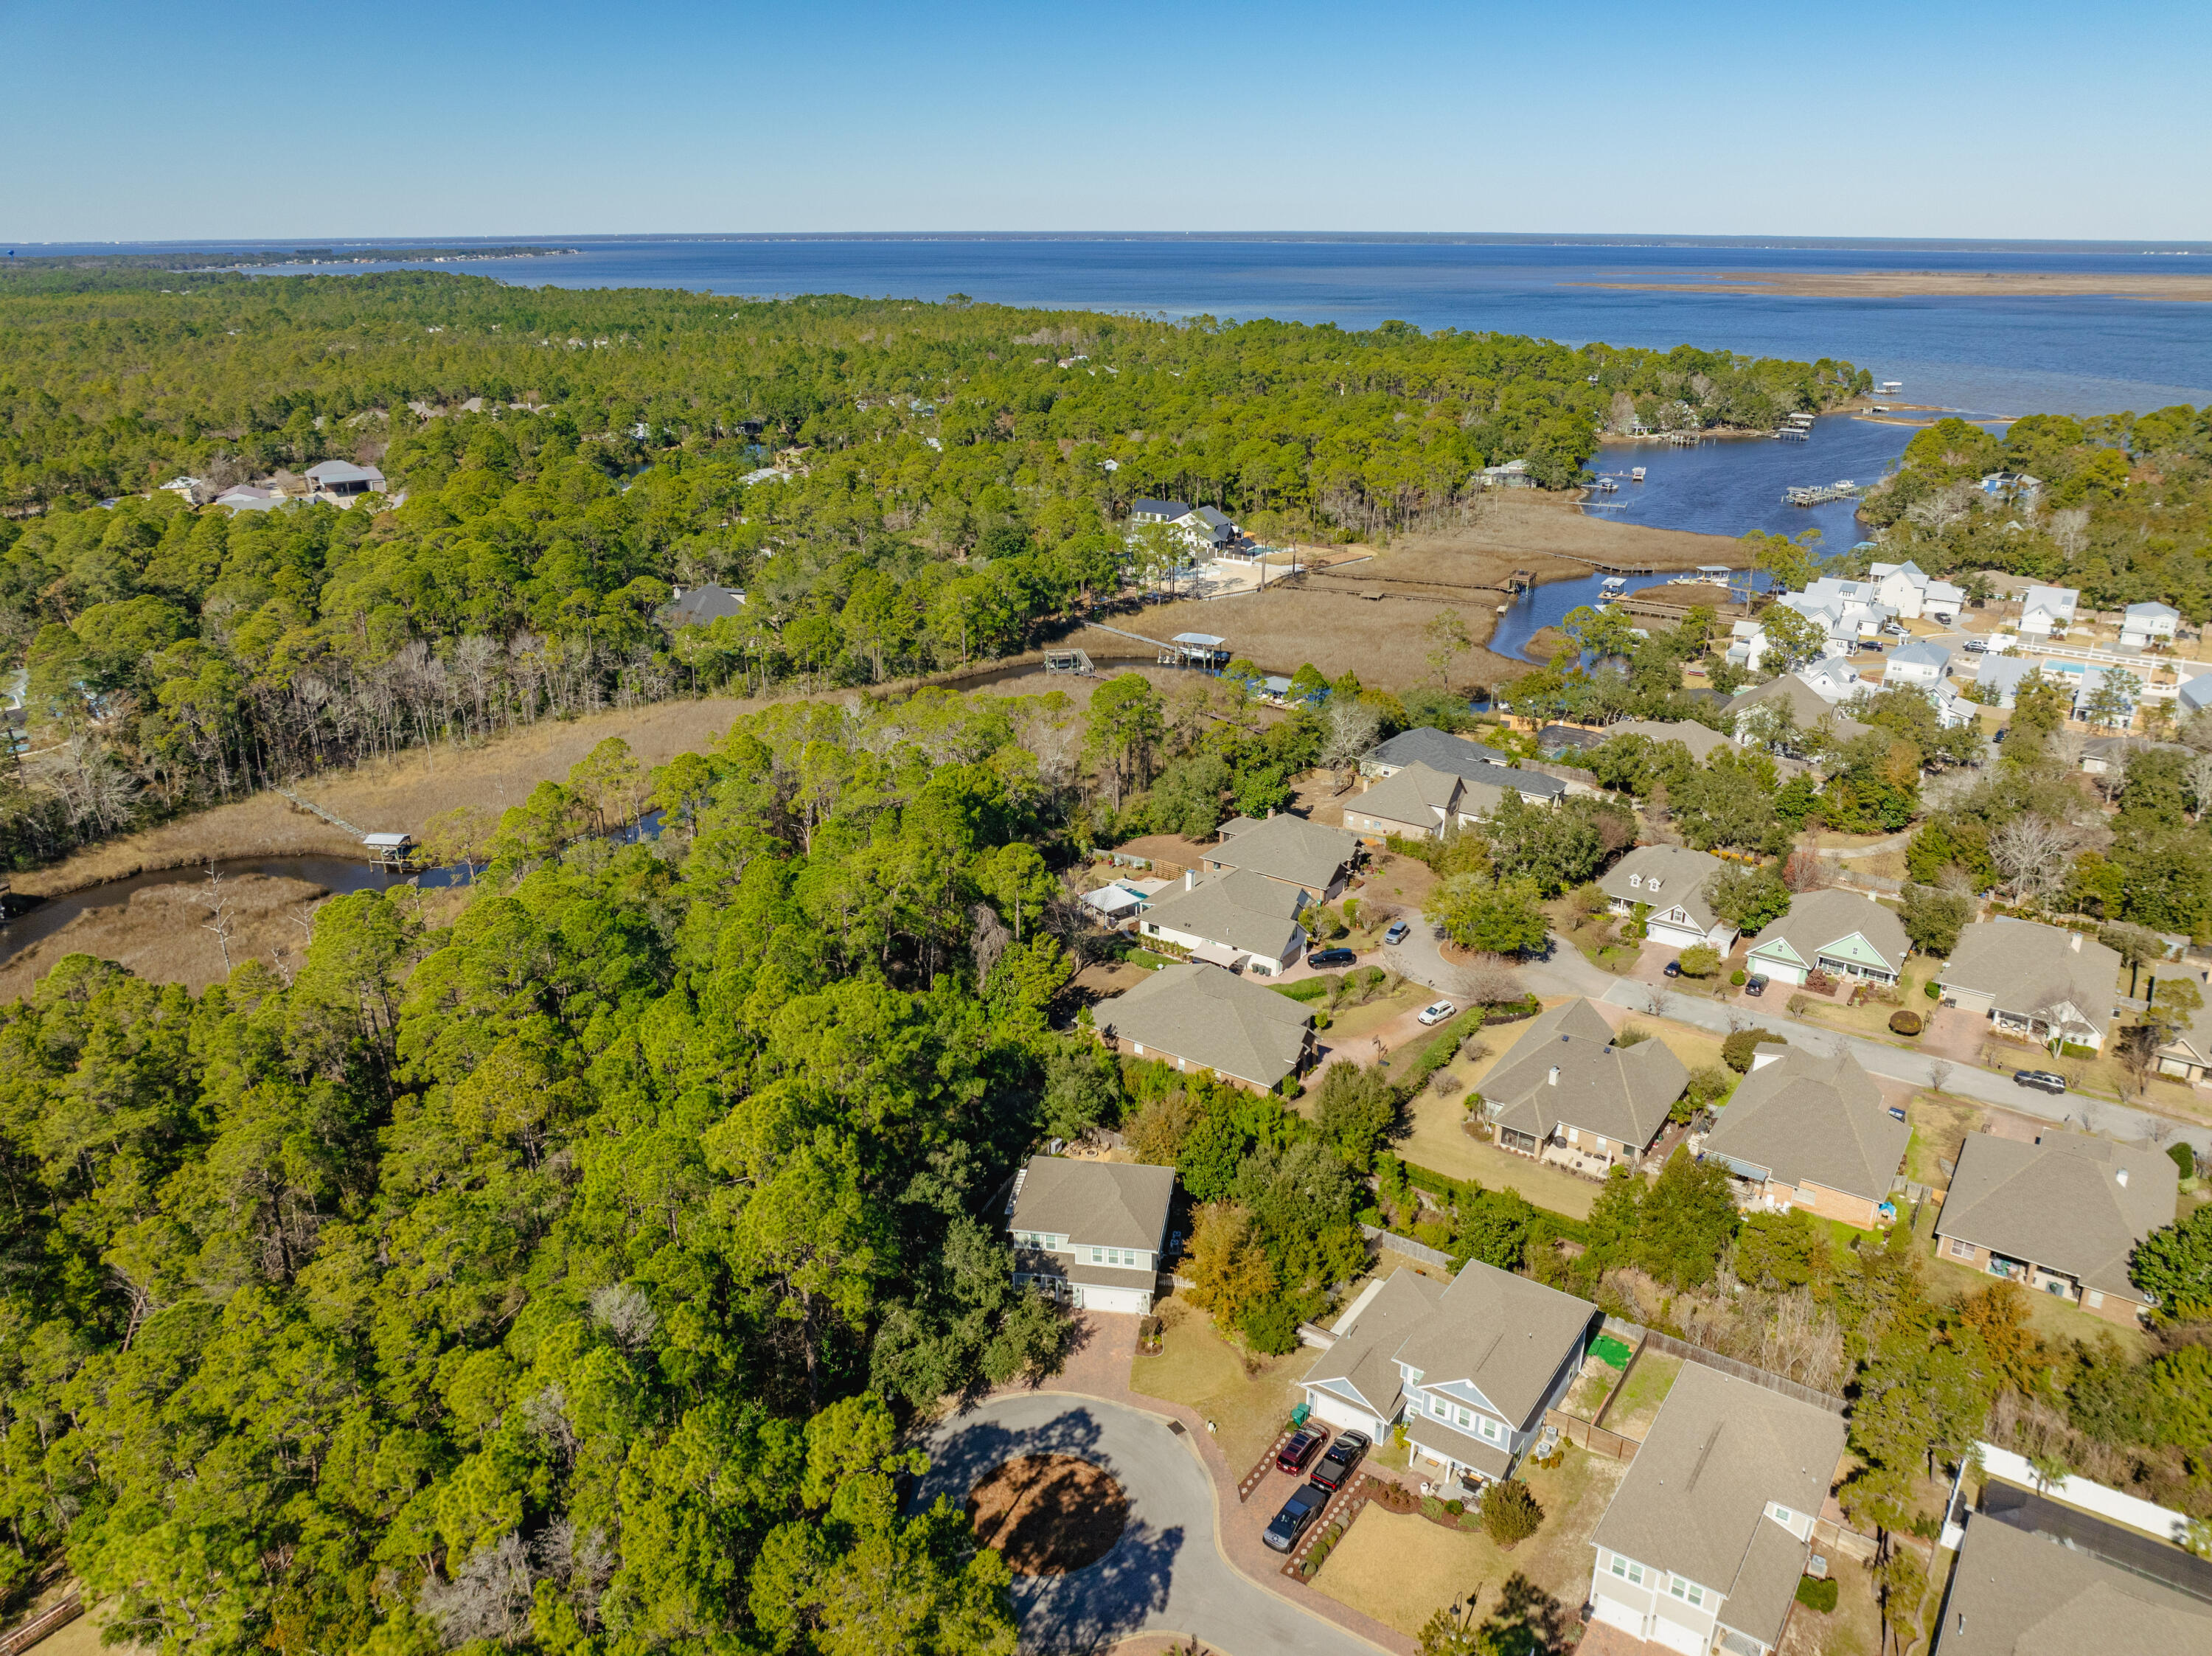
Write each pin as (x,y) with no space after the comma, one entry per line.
(1343,1455)
(1331,957)
(1301,1510)
(2042,1080)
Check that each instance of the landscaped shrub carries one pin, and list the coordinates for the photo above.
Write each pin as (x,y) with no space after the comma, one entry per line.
(1736,1051)
(1739,977)
(2183,1157)
(1819,1595)
(1816,978)
(1800,1004)
(1510,1513)
(1271,1327)
(1932,989)
(1445,1085)
(1700,960)
(1455,1507)
(1431,1507)
(1905,1023)
(1631,1035)
(1307,989)
(1470,1520)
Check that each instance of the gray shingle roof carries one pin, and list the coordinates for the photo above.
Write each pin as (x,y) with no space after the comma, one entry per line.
(1413,794)
(697,605)
(2025,966)
(1681,874)
(1699,739)
(1806,702)
(1922,651)
(1242,910)
(1819,919)
(1288,848)
(1213,1019)
(1101,1204)
(1695,1499)
(1623,1094)
(2017,1593)
(1504,1335)
(1457,756)
(2060,1202)
(1801,1116)
(1364,1356)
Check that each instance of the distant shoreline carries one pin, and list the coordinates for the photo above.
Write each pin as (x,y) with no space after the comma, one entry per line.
(1928,284)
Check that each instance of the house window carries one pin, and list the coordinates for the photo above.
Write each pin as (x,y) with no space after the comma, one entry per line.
(2093,1298)
(1688,1592)
(1628,1570)
(1961,1249)
(1441,1410)
(1461,1418)
(1491,1430)
(1781,1514)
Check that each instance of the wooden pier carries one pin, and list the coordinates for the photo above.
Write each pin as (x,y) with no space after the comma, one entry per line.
(1822,495)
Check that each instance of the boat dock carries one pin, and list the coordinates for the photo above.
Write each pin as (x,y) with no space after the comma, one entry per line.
(1845,489)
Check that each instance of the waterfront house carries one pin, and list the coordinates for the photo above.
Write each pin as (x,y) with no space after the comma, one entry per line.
(1564,1094)
(2018,1592)
(1906,588)
(1196,1017)
(1922,664)
(2060,1214)
(1457,756)
(1241,920)
(1468,1367)
(2047,610)
(1092,1233)
(1708,1536)
(1670,882)
(1811,1132)
(2039,982)
(1513,474)
(2146,625)
(1318,860)
(1837,932)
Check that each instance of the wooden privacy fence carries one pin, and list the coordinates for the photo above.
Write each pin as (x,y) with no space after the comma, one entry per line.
(1589,1435)
(39,1626)
(1743,1371)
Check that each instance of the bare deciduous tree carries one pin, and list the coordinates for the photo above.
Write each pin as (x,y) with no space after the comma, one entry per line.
(624,1312)
(2032,852)
(488,1599)
(2071,530)
(1939,1075)
(1349,730)
(218,908)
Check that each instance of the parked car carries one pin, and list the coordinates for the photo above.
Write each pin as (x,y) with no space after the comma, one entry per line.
(1673,968)
(1755,984)
(1332,957)
(1398,932)
(1343,1456)
(1437,1013)
(1300,1449)
(1299,1511)
(2042,1080)
(1975,646)
(1895,1114)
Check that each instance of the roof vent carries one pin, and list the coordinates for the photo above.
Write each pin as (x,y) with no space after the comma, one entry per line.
(1554,1081)
(2122,1175)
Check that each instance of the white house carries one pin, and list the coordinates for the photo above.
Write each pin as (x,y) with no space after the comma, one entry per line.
(1952,708)
(1846,611)
(2143,625)
(2044,610)
(1708,1536)
(1922,664)
(1091,1233)
(1469,1367)
(1906,588)
(1671,880)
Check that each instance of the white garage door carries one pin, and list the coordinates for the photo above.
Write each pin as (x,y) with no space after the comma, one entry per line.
(1674,1637)
(1780,974)
(1133,1300)
(1673,937)
(1346,1416)
(1614,1613)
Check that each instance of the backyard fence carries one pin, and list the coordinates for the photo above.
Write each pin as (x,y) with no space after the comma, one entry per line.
(1407,1246)
(1589,1434)
(40,1625)
(1744,1371)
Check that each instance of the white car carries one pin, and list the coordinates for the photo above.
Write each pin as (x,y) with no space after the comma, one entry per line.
(1437,1013)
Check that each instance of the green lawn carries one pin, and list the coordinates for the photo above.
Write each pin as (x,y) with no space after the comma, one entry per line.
(2050,1316)
(1248,1398)
(1650,1380)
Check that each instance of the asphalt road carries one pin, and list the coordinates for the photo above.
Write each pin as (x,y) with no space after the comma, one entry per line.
(1167,1573)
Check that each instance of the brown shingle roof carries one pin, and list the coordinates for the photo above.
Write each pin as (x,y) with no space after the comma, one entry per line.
(1818,918)
(1623,1094)
(2025,966)
(2017,1593)
(1104,1203)
(1287,848)
(2061,1202)
(1801,1116)
(1502,1334)
(1214,1019)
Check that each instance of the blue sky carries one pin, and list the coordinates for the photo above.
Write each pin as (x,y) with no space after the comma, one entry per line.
(224,118)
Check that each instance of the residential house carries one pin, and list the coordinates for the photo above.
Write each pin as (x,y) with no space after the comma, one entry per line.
(1906,588)
(1811,1132)
(1415,802)
(246,497)
(1708,1535)
(2188,1056)
(2039,982)
(1670,882)
(1092,1233)
(1157,511)
(1565,1094)
(1922,664)
(1846,611)
(1469,1367)
(2196,694)
(1241,920)
(2000,676)
(1457,756)
(2147,626)
(1699,739)
(1513,474)
(2017,1591)
(193,491)
(1839,932)
(2087,681)
(1318,860)
(2044,610)
(696,606)
(1953,708)
(2060,1214)
(1808,709)
(2100,754)
(1201,1017)
(1833,679)
(342,483)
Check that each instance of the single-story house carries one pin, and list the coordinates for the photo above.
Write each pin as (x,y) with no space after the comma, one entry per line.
(1513,474)
(1803,1130)
(2188,1056)
(1468,1367)
(2060,1214)
(1839,932)
(2017,1591)
(2142,625)
(1092,1232)
(1700,739)
(2196,694)
(1710,1533)
(342,482)
(1565,1094)
(2038,981)
(246,497)
(694,606)
(2044,610)
(1290,849)
(1923,664)
(1671,881)
(1201,1017)
(1239,920)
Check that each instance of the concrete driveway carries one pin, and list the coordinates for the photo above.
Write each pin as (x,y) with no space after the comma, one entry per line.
(1167,1573)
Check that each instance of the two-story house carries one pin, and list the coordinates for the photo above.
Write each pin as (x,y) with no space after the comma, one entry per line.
(1289,850)
(1565,1094)
(1708,1535)
(1469,1367)
(1419,802)
(1239,919)
(1909,591)
(2045,610)
(1921,664)
(1091,1233)
(2145,625)
(1669,882)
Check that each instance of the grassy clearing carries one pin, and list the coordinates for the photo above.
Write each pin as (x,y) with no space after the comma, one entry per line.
(1852,1629)
(1940,1125)
(1401,1568)
(1650,1380)
(1248,1399)
(1592,1386)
